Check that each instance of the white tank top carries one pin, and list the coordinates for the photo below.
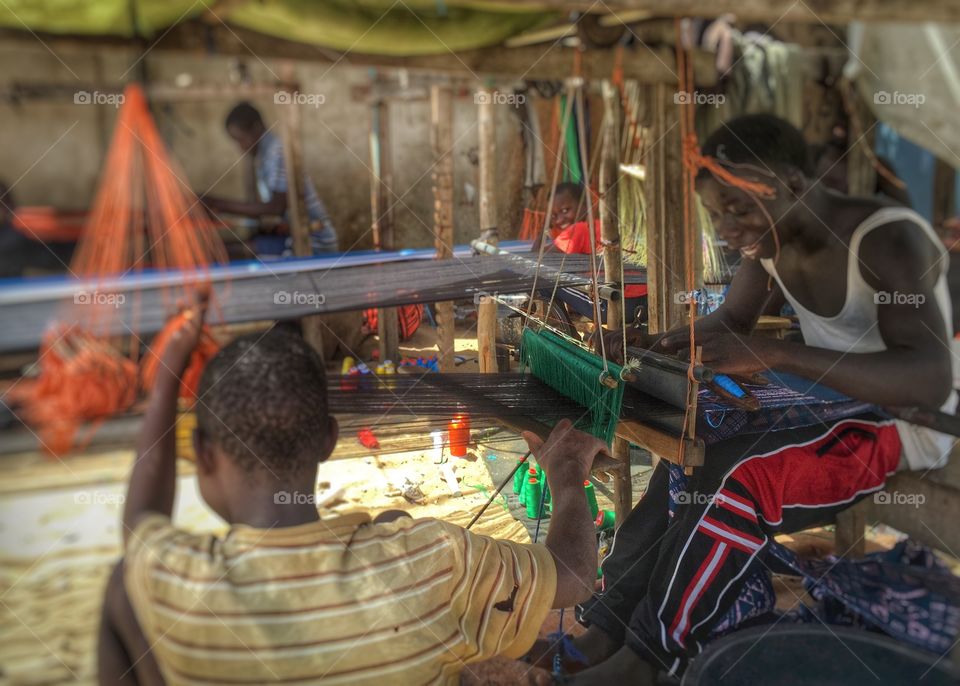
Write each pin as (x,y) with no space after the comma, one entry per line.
(854,329)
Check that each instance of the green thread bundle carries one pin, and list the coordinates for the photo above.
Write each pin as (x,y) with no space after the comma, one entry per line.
(575,373)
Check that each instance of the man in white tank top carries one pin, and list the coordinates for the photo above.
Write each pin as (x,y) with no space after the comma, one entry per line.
(867,280)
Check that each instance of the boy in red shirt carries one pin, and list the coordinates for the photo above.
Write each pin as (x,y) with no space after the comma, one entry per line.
(570,232)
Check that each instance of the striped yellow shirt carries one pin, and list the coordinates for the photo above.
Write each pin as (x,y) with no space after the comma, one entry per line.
(342,601)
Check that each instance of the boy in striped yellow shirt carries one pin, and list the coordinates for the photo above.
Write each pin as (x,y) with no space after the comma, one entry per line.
(288,597)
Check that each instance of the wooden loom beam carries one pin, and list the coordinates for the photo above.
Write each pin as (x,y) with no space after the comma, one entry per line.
(296,200)
(487,309)
(610,234)
(441,129)
(381,212)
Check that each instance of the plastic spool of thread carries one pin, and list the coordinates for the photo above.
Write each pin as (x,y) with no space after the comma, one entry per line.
(533,497)
(531,473)
(459,431)
(591,498)
(606,520)
(518,482)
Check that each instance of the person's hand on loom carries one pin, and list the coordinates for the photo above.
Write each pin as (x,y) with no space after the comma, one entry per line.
(568,454)
(727,353)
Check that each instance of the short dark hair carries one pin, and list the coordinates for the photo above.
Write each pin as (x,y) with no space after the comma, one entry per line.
(760,139)
(244,116)
(263,402)
(570,189)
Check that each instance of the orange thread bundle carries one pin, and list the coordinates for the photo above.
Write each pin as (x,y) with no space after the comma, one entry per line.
(81,380)
(143,215)
(206,348)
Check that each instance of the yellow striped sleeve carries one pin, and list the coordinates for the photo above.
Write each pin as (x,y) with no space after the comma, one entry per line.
(156,546)
(506,594)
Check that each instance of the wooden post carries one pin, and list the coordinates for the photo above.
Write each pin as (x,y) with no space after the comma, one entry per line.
(861,174)
(381,211)
(944,183)
(296,203)
(850,537)
(487,309)
(666,252)
(441,130)
(612,256)
(609,214)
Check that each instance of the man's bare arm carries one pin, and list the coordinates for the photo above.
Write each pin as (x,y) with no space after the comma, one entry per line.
(915,368)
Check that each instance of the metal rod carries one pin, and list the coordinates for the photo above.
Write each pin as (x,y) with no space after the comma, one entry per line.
(509,478)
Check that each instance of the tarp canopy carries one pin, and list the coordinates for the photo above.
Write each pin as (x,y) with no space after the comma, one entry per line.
(381,27)
(909,74)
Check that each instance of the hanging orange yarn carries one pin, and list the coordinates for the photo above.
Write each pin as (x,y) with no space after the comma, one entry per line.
(81,380)
(144,215)
(206,348)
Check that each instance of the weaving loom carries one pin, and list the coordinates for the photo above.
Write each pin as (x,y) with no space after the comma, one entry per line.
(285,290)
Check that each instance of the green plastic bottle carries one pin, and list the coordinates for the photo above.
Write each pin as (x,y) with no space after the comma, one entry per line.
(518,481)
(591,498)
(533,492)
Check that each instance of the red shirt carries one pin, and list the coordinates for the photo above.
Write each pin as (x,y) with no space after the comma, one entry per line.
(575,240)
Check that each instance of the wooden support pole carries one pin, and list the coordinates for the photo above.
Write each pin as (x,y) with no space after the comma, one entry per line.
(296,202)
(944,184)
(441,130)
(623,483)
(487,309)
(609,213)
(850,537)
(612,256)
(666,252)
(381,212)
(861,174)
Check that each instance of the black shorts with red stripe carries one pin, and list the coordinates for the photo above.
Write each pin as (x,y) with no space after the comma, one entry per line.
(668,579)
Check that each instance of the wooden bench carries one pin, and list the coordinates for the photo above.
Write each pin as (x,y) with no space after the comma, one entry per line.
(923,505)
